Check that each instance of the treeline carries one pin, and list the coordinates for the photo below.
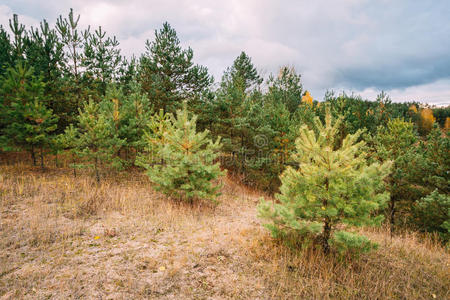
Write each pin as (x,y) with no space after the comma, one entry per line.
(71,89)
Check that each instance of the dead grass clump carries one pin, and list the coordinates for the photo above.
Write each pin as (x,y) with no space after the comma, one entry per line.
(401,269)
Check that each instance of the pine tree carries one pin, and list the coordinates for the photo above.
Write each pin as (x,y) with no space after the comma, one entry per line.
(26,123)
(72,40)
(435,164)
(19,34)
(432,214)
(74,90)
(101,59)
(40,123)
(96,141)
(6,58)
(396,142)
(332,186)
(236,108)
(167,72)
(130,114)
(44,52)
(286,88)
(186,169)
(242,74)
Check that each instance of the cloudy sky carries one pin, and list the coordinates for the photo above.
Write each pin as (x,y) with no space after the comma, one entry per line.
(361,46)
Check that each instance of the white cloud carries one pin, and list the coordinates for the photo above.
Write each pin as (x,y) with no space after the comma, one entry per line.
(435,93)
(6,14)
(361,45)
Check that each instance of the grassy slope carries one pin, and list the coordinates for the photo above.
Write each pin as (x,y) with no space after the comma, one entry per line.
(64,237)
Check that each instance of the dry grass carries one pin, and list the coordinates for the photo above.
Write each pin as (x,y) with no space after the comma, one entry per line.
(63,237)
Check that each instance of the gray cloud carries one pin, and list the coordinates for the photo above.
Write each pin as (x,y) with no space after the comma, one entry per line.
(359,45)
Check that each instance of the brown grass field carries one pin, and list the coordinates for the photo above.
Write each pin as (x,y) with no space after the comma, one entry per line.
(63,237)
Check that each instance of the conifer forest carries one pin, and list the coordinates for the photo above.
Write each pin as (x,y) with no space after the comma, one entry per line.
(144,177)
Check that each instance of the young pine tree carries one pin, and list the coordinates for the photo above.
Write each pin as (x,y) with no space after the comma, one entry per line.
(332,186)
(96,140)
(131,114)
(184,167)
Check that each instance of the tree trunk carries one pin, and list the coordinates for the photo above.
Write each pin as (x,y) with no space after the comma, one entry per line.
(326,236)
(73,163)
(33,156)
(327,224)
(42,159)
(243,155)
(97,175)
(392,216)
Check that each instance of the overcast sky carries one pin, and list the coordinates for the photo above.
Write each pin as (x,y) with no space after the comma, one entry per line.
(401,47)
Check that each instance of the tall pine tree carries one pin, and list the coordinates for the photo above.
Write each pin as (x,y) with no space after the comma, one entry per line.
(167,73)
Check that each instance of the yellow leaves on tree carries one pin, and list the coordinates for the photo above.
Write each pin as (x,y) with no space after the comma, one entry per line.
(426,120)
(447,123)
(413,109)
(307,98)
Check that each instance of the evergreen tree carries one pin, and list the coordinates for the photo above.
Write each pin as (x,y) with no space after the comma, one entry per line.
(396,143)
(285,88)
(187,169)
(130,115)
(235,109)
(242,74)
(332,186)
(434,169)
(101,59)
(26,122)
(154,139)
(72,40)
(432,214)
(96,141)
(44,52)
(73,88)
(358,113)
(167,72)
(6,59)
(19,34)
